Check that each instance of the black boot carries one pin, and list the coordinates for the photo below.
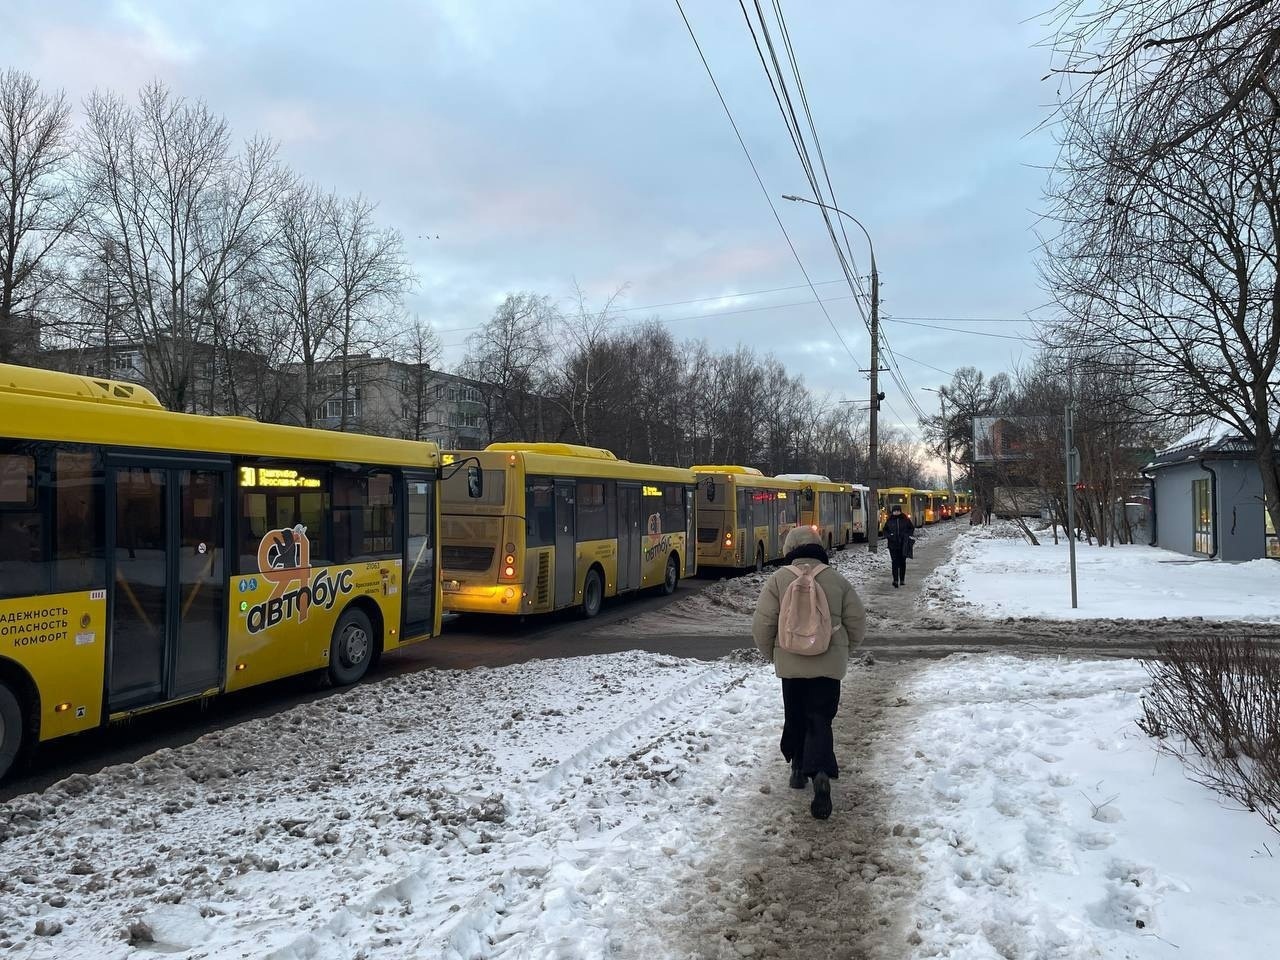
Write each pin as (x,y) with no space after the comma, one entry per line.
(821,805)
(798,779)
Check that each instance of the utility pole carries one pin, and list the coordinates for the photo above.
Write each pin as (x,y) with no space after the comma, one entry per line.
(1072,458)
(873,464)
(873,453)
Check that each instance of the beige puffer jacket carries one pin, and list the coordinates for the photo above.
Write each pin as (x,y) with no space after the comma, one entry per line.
(848,623)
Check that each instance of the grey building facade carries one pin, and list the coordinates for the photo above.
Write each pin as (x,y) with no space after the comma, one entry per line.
(1209,501)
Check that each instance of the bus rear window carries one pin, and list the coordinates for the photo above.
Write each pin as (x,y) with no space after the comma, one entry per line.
(454,490)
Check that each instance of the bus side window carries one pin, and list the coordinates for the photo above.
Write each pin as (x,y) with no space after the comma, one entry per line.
(673,508)
(22,568)
(592,518)
(540,512)
(363,516)
(80,548)
(264,509)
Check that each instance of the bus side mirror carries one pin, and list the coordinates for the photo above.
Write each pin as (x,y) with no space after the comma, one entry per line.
(711,493)
(475,482)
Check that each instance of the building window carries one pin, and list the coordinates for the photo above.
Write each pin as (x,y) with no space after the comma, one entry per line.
(126,360)
(332,410)
(1202,517)
(440,392)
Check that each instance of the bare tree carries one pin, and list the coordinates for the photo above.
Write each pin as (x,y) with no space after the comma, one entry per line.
(295,275)
(177,206)
(511,355)
(1128,65)
(370,278)
(1175,276)
(38,205)
(419,348)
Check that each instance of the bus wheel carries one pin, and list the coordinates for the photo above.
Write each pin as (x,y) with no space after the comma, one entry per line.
(759,559)
(352,648)
(592,594)
(671,578)
(10,728)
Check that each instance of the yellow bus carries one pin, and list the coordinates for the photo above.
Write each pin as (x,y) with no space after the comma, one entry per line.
(860,506)
(743,516)
(943,504)
(935,506)
(891,497)
(149,558)
(921,507)
(826,507)
(547,526)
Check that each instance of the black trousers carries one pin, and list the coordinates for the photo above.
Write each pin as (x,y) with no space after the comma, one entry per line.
(899,560)
(809,705)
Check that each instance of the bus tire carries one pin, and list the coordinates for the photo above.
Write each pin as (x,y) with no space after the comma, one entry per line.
(671,576)
(592,594)
(352,648)
(12,728)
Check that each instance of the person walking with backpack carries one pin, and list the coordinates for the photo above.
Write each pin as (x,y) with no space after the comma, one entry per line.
(897,534)
(808,619)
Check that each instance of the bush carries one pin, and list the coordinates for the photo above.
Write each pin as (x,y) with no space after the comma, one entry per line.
(1215,705)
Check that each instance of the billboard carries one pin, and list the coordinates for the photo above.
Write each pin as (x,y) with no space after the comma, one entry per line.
(1003,438)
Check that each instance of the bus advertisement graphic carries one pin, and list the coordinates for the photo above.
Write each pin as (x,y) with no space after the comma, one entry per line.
(284,561)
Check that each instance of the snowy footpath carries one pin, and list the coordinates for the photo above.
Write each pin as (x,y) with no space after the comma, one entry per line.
(634,805)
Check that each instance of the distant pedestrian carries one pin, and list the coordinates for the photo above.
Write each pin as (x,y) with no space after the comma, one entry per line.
(897,534)
(807,620)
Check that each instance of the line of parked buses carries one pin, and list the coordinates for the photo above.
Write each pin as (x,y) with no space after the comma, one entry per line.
(531,528)
(150,558)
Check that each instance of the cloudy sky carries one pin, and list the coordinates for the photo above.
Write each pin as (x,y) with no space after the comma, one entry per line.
(535,145)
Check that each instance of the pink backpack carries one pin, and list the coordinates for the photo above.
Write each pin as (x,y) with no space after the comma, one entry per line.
(804,622)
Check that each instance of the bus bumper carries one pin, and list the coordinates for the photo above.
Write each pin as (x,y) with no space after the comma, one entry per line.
(461,597)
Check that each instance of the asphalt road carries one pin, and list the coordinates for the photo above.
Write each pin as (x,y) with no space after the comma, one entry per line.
(499,641)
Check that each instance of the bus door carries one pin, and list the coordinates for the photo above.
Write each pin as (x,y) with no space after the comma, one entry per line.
(629,537)
(166,550)
(773,508)
(419,554)
(566,543)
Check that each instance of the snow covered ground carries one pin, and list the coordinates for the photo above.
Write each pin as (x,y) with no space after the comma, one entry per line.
(993,572)
(634,805)
(1050,827)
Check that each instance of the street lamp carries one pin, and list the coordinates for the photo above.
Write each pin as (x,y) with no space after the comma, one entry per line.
(873,466)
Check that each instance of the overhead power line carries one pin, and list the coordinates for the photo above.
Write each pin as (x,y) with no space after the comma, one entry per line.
(760,180)
(707,316)
(680,303)
(971,333)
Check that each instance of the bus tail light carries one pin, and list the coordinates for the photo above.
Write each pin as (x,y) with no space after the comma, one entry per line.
(509,566)
(728,541)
